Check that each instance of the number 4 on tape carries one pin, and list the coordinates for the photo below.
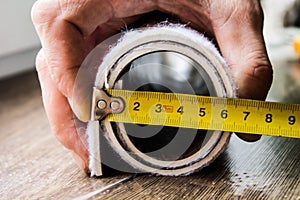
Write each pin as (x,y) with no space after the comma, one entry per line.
(201,112)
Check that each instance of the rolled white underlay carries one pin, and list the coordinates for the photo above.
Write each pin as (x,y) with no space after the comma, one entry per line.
(132,45)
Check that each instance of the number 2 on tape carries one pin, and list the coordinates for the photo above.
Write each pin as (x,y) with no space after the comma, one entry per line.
(208,113)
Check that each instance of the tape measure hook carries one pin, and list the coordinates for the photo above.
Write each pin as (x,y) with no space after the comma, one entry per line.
(104,104)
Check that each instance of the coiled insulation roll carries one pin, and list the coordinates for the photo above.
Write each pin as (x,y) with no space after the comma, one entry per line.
(167,58)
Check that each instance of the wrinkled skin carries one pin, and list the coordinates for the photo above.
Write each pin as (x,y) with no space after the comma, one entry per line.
(69,29)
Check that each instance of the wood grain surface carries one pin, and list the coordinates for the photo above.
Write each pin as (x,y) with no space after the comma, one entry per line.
(33,165)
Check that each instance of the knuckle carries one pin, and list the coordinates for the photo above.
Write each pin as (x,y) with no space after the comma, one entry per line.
(44,11)
(253,75)
(264,73)
(40,62)
(260,69)
(35,11)
(260,65)
(255,80)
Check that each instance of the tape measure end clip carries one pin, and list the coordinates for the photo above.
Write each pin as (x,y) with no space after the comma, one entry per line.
(105,104)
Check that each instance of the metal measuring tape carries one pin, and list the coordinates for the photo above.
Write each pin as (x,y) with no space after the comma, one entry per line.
(199,112)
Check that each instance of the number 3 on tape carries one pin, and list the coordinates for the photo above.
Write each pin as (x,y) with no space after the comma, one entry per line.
(208,113)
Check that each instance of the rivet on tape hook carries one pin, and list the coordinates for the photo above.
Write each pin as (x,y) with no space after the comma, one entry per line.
(104,104)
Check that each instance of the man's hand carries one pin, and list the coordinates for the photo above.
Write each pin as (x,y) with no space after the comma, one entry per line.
(69,30)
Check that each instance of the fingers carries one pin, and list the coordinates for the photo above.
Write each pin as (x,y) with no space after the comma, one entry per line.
(241,42)
(62,44)
(60,114)
(70,29)
(239,35)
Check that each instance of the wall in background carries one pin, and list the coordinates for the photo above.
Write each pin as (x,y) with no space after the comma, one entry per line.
(19,43)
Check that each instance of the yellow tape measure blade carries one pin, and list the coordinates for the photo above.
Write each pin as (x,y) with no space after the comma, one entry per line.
(208,113)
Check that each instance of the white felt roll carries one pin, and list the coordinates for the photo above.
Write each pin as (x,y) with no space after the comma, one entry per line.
(121,59)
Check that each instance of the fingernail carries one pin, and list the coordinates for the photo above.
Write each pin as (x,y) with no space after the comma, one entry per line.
(81,108)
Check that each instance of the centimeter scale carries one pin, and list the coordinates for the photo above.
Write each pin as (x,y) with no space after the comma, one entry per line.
(197,112)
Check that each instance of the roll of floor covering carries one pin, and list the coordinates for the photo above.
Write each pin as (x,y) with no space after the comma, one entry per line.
(165,58)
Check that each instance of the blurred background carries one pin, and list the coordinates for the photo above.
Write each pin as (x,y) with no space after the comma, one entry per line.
(19,43)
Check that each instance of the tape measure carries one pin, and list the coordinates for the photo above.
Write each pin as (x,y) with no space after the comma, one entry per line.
(202,112)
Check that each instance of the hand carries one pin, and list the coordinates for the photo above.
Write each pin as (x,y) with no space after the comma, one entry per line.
(69,30)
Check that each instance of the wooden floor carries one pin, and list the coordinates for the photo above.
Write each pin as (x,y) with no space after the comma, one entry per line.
(33,165)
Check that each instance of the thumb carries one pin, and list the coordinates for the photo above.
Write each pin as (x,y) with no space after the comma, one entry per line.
(241,43)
